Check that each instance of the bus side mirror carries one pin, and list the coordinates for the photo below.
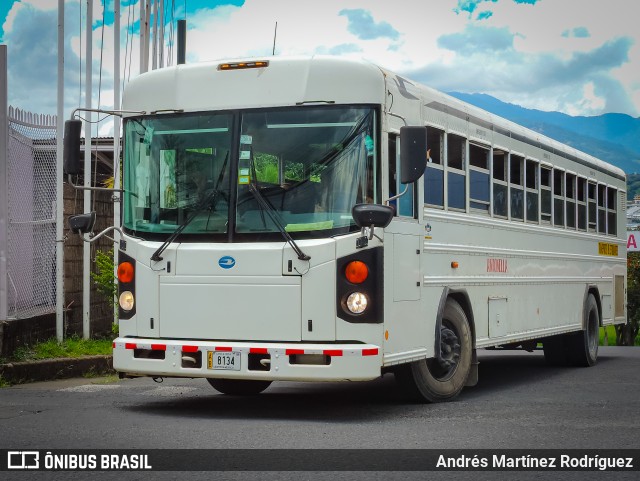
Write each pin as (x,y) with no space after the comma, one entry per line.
(367,215)
(71,143)
(82,223)
(413,153)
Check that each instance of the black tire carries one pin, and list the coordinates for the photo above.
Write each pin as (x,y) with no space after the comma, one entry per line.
(432,380)
(583,345)
(577,348)
(238,387)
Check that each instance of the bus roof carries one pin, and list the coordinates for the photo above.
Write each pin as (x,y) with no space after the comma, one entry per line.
(286,81)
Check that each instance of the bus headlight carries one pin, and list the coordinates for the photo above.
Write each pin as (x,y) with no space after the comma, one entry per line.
(126,300)
(357,302)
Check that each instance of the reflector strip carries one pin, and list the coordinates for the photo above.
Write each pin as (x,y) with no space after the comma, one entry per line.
(332,352)
(255,350)
(113,346)
(290,352)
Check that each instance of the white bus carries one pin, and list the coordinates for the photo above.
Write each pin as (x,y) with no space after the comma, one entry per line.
(244,261)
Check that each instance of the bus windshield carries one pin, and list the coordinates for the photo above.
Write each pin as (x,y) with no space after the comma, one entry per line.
(310,165)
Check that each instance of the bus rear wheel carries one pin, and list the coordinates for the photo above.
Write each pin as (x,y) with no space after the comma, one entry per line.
(577,348)
(442,379)
(238,387)
(583,345)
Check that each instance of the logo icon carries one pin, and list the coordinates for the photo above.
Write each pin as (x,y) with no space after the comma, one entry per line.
(23,460)
(226,262)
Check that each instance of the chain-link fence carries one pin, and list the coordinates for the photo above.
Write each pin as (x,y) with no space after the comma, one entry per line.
(31,236)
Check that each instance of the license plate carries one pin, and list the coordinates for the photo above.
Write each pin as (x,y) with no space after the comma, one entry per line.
(226,360)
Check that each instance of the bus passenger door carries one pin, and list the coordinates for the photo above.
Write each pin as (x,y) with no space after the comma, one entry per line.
(405,329)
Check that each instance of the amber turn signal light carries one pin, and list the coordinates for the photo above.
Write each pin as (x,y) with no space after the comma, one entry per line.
(356,272)
(125,272)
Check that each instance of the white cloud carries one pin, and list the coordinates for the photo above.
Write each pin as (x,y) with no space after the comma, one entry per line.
(536,65)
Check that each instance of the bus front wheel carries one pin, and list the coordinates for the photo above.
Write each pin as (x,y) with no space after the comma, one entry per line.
(238,387)
(442,379)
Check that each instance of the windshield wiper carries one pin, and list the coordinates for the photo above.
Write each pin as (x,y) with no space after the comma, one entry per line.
(208,201)
(266,207)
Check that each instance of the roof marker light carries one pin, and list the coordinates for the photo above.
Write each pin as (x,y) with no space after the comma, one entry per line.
(243,65)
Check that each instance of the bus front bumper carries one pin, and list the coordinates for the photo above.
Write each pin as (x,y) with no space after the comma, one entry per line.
(243,360)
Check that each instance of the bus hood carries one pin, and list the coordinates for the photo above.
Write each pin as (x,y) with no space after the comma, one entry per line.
(227,291)
(231,294)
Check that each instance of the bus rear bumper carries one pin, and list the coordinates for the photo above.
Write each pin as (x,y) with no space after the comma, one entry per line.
(242,360)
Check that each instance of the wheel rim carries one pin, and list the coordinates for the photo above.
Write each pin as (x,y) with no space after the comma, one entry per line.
(450,350)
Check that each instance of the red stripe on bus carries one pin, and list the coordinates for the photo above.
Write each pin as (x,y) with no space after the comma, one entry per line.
(189,348)
(370,352)
(158,347)
(130,345)
(290,352)
(258,350)
(332,352)
(223,348)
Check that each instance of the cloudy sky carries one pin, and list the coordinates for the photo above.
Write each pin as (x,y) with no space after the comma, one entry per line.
(581,57)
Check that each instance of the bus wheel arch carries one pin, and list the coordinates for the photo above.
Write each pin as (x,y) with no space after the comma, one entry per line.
(593,290)
(578,348)
(441,378)
(462,298)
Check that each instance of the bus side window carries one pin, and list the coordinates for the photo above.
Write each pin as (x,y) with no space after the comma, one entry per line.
(500,187)
(593,209)
(456,161)
(612,195)
(571,200)
(479,177)
(516,187)
(434,174)
(582,203)
(602,215)
(545,194)
(531,187)
(558,197)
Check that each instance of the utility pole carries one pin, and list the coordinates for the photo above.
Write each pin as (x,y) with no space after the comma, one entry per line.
(161,39)
(59,181)
(4,186)
(116,120)
(154,51)
(86,247)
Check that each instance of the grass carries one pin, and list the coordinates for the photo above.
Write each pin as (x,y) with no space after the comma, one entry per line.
(71,347)
(611,335)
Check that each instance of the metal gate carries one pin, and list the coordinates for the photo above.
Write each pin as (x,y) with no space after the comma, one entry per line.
(31,229)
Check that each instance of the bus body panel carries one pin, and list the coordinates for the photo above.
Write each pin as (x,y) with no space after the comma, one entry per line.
(524,280)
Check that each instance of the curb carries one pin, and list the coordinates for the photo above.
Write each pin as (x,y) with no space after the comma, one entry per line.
(51,369)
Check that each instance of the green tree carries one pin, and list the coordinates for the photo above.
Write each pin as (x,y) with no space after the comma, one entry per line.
(627,334)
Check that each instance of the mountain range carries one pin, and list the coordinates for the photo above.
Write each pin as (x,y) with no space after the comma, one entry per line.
(614,138)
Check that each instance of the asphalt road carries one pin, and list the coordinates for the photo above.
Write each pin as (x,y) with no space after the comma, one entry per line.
(519,403)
